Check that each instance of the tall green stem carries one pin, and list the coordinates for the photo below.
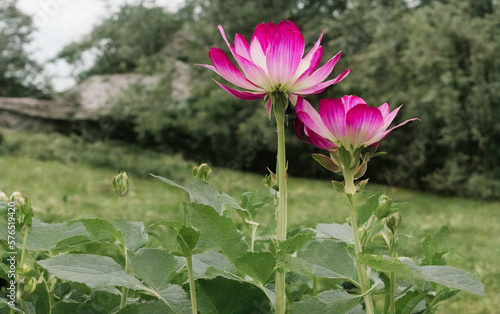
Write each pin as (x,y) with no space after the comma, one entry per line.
(362,273)
(192,287)
(280,102)
(392,301)
(123,301)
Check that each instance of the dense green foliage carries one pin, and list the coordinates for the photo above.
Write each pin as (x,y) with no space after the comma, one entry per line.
(438,58)
(19,73)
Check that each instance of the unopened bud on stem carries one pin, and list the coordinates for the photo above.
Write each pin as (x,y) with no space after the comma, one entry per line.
(121,184)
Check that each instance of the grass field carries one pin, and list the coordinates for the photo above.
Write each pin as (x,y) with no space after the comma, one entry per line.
(63,188)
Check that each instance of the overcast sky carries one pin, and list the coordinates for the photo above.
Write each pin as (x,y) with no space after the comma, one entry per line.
(60,22)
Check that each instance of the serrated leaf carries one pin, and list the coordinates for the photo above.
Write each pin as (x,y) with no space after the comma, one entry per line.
(436,246)
(333,301)
(223,296)
(176,299)
(187,238)
(101,230)
(385,264)
(92,270)
(153,266)
(133,233)
(295,242)
(217,231)
(335,231)
(204,193)
(254,200)
(257,265)
(149,307)
(365,211)
(329,259)
(407,303)
(45,237)
(454,278)
(64,308)
(212,264)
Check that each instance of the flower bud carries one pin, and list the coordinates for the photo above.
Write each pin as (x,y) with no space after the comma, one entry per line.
(384,205)
(202,172)
(393,222)
(18,198)
(29,286)
(326,162)
(3,197)
(121,184)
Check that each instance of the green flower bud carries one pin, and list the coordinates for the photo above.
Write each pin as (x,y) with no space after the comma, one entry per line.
(23,270)
(121,184)
(202,172)
(393,222)
(3,197)
(384,205)
(29,286)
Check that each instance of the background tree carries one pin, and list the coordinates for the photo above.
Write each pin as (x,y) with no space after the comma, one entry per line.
(20,75)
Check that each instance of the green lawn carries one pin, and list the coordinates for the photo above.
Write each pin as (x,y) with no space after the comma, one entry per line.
(62,189)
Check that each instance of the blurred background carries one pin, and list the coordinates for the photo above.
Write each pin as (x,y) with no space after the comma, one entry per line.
(126,70)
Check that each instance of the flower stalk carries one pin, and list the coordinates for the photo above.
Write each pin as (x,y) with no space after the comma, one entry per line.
(280,103)
(192,287)
(362,271)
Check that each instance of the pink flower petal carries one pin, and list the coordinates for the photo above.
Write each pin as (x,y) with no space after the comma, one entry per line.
(225,68)
(311,118)
(384,134)
(388,118)
(254,73)
(363,123)
(384,109)
(318,88)
(240,94)
(241,46)
(318,76)
(265,34)
(351,101)
(333,114)
(285,53)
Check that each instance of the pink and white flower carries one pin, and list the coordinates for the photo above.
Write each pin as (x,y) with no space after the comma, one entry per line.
(273,61)
(346,122)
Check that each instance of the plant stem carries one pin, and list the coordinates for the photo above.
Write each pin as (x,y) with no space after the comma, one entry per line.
(25,236)
(192,287)
(362,274)
(280,102)
(392,302)
(123,301)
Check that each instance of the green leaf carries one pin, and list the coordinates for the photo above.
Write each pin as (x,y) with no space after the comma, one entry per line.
(176,299)
(329,259)
(217,231)
(187,238)
(335,231)
(257,265)
(296,240)
(212,264)
(385,263)
(436,246)
(133,233)
(92,270)
(149,307)
(204,193)
(254,200)
(454,278)
(101,230)
(64,308)
(223,296)
(366,210)
(333,301)
(153,266)
(45,237)
(407,303)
